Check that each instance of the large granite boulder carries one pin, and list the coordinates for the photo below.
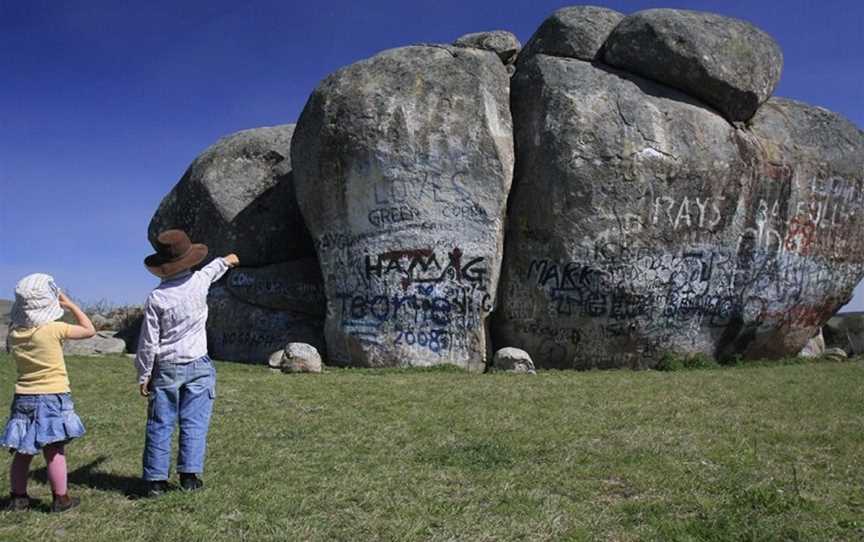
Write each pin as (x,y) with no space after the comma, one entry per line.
(238,196)
(403,163)
(573,32)
(617,200)
(806,219)
(728,63)
(641,222)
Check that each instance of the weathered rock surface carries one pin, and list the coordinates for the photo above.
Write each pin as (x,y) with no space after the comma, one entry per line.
(808,221)
(513,360)
(104,342)
(598,261)
(814,348)
(240,331)
(295,286)
(574,32)
(275,360)
(504,44)
(403,163)
(846,331)
(129,330)
(100,322)
(641,222)
(819,138)
(238,196)
(835,354)
(301,358)
(728,63)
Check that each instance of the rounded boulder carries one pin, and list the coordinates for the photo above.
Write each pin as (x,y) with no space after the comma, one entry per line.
(573,32)
(238,196)
(728,63)
(403,163)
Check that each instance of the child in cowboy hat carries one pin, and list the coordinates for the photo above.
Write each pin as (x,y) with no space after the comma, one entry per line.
(42,417)
(174,371)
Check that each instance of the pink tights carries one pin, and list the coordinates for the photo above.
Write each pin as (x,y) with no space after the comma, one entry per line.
(55,459)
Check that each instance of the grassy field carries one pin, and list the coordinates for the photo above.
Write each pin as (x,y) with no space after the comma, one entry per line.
(747,453)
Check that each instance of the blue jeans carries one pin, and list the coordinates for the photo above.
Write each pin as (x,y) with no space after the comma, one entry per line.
(181,392)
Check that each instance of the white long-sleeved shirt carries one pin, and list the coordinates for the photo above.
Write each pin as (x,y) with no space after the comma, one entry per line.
(175,318)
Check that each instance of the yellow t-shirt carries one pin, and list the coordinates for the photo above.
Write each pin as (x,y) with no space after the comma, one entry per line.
(38,353)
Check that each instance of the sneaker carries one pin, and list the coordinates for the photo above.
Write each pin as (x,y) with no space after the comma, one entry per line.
(18,503)
(190,482)
(62,503)
(156,488)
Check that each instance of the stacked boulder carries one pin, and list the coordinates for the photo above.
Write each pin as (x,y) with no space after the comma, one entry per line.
(238,196)
(681,209)
(403,163)
(663,202)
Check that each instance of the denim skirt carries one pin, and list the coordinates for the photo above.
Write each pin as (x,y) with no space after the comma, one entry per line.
(36,421)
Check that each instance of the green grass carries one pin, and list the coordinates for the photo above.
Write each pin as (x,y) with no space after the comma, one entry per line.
(743,453)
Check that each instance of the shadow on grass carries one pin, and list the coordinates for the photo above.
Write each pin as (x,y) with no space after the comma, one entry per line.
(35,505)
(89,475)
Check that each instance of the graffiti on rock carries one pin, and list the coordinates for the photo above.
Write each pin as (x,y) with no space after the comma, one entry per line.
(626,294)
(437,196)
(419,298)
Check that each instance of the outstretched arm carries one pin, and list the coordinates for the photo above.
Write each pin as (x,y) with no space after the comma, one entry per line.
(214,270)
(84,329)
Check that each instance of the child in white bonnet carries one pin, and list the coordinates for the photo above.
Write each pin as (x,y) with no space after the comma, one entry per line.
(42,417)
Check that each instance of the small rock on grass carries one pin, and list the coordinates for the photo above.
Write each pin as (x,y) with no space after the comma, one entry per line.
(835,354)
(815,347)
(513,360)
(301,358)
(104,342)
(276,359)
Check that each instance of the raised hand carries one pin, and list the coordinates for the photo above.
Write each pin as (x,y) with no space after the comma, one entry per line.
(65,302)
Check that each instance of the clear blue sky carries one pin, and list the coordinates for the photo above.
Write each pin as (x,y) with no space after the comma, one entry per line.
(104,103)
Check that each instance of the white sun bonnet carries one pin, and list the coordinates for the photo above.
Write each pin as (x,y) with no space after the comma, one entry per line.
(37,301)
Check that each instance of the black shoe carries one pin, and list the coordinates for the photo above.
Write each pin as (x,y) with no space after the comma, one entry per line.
(64,502)
(18,503)
(190,482)
(156,488)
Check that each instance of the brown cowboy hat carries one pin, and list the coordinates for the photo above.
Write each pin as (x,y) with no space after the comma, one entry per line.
(174,253)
